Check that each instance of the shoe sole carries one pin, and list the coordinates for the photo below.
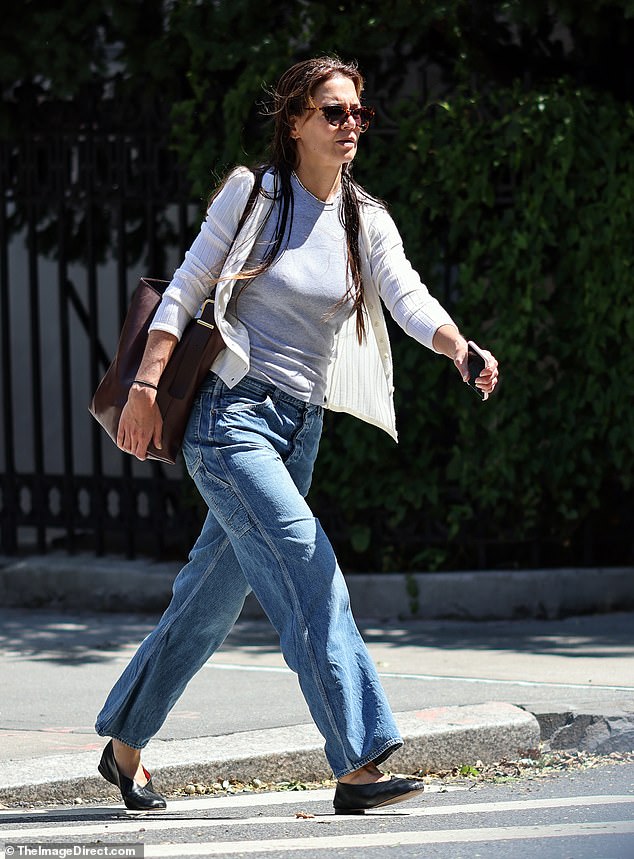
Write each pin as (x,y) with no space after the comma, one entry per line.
(402,798)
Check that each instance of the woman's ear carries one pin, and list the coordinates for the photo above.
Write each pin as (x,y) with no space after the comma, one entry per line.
(294,132)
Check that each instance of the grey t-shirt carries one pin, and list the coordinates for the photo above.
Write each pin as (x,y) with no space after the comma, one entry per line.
(288,310)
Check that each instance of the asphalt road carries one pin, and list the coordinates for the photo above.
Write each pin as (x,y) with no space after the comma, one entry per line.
(582,814)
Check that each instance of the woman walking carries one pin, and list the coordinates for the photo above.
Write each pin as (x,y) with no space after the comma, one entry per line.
(302,258)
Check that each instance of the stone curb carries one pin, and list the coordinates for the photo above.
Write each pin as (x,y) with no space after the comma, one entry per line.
(115,584)
(434,739)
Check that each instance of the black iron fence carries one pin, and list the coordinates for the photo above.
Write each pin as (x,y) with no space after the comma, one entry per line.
(83,212)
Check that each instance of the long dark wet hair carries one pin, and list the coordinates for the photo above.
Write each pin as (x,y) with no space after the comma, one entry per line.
(292,96)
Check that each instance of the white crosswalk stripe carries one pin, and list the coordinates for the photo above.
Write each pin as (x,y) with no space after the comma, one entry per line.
(390,839)
(113,823)
(156,824)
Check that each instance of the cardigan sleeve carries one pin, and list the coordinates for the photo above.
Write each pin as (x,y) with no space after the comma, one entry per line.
(194,279)
(407,298)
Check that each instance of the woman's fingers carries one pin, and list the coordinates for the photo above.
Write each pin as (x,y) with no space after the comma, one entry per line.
(488,378)
(131,444)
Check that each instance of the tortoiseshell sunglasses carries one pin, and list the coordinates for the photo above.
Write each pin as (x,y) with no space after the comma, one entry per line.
(336,114)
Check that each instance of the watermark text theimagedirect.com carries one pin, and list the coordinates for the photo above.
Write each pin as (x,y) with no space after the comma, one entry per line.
(65,851)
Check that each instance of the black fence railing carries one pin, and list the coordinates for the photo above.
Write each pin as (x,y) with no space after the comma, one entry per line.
(83,212)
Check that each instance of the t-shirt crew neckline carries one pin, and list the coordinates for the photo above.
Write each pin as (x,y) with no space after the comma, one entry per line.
(298,188)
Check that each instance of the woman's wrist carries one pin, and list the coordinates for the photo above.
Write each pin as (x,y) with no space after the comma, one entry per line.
(140,391)
(449,341)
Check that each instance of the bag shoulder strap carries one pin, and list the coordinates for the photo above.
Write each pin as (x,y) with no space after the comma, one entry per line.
(206,317)
(258,176)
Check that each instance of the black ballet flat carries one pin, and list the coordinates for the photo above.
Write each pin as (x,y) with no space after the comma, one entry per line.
(135,797)
(358,798)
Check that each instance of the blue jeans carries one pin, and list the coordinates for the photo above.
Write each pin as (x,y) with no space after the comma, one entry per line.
(250,451)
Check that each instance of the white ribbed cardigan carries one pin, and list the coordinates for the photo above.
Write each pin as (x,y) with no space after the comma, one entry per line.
(359,376)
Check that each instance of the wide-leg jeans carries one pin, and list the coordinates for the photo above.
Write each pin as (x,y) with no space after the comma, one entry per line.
(250,451)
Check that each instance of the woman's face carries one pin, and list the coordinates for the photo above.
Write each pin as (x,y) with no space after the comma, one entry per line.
(321,145)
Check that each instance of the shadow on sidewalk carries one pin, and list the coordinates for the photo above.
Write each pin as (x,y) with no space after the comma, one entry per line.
(80,637)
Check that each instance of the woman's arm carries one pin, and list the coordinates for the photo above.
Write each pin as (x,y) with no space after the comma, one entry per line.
(418,313)
(141,420)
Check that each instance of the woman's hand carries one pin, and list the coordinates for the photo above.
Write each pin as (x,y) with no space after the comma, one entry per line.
(140,422)
(451,343)
(488,378)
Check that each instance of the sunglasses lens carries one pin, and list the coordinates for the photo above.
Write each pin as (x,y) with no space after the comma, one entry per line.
(334,115)
(362,117)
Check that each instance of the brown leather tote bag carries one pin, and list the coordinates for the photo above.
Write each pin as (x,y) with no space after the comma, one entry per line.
(191,359)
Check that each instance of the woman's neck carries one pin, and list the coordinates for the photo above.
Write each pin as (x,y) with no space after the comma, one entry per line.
(322,184)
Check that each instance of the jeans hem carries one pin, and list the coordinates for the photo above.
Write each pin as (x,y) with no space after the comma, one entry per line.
(378,756)
(103,732)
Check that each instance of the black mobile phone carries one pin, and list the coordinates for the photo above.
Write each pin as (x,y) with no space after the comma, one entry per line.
(476,363)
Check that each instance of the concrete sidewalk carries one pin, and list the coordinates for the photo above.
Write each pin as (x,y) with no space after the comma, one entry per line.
(462,691)
(86,582)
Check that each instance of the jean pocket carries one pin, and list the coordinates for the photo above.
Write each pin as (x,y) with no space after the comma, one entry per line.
(236,400)
(220,495)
